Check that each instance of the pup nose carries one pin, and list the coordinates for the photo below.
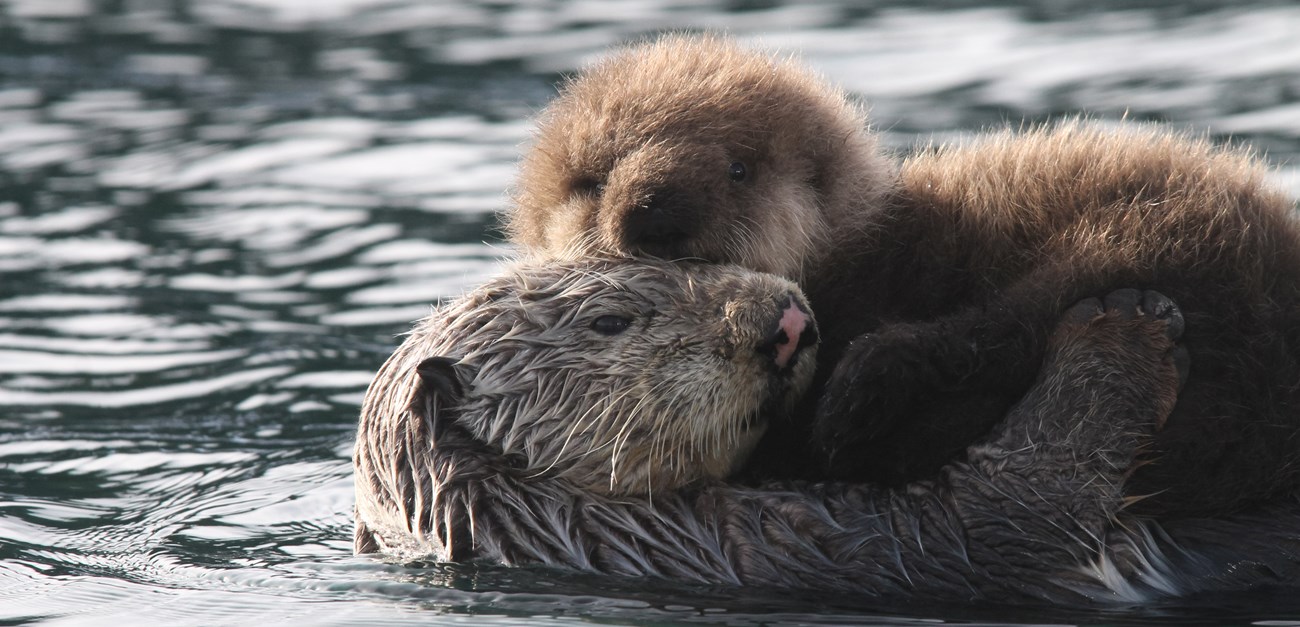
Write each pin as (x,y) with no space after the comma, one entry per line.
(795,329)
(659,225)
(653,222)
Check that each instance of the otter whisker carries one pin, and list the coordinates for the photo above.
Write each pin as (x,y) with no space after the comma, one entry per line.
(564,446)
(620,439)
(604,421)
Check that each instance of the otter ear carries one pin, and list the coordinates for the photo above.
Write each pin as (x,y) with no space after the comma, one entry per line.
(442,385)
(439,376)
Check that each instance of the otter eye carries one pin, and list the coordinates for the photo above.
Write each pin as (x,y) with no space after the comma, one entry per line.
(736,171)
(589,186)
(611,325)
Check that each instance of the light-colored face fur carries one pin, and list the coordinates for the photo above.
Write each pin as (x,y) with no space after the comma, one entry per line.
(693,147)
(677,396)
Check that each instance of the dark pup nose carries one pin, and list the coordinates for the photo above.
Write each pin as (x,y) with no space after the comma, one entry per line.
(658,226)
(794,329)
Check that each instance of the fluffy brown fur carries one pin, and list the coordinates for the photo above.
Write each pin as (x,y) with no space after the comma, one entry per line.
(507,428)
(637,153)
(937,282)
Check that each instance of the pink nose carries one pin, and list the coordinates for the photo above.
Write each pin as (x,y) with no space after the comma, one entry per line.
(790,329)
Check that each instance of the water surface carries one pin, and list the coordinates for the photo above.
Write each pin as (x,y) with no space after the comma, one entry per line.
(217,216)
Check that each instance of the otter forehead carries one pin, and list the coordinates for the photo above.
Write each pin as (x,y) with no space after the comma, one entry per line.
(558,302)
(680,87)
(583,282)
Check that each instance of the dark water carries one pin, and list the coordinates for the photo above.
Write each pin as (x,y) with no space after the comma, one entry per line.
(217,215)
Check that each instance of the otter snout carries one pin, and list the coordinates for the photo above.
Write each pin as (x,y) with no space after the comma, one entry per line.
(659,225)
(660,195)
(793,330)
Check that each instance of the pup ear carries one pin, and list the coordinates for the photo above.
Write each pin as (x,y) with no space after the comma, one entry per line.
(442,387)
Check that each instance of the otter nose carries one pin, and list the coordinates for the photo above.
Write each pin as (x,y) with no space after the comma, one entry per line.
(658,224)
(794,329)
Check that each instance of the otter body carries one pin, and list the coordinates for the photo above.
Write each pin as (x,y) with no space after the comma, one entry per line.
(959,276)
(578,414)
(937,280)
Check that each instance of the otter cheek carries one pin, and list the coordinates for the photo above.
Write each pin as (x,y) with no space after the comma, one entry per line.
(579,216)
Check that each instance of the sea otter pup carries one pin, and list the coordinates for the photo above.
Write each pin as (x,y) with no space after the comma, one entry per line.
(578,414)
(937,281)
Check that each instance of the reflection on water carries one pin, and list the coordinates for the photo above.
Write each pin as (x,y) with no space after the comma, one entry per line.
(216,217)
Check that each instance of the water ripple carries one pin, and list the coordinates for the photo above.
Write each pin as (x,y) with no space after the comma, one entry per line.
(141,396)
(38,362)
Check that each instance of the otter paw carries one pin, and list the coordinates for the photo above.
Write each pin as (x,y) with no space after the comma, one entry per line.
(1129,304)
(872,387)
(1110,378)
(1147,307)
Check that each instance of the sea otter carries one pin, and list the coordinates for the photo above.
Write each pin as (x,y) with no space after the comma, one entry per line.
(936,280)
(579,414)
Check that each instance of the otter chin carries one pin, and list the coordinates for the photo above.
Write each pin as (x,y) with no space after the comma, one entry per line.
(616,377)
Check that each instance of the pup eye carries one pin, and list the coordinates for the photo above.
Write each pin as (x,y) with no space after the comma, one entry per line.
(737,171)
(610,325)
(590,186)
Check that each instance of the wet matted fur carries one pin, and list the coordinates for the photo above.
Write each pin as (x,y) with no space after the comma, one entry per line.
(617,377)
(937,280)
